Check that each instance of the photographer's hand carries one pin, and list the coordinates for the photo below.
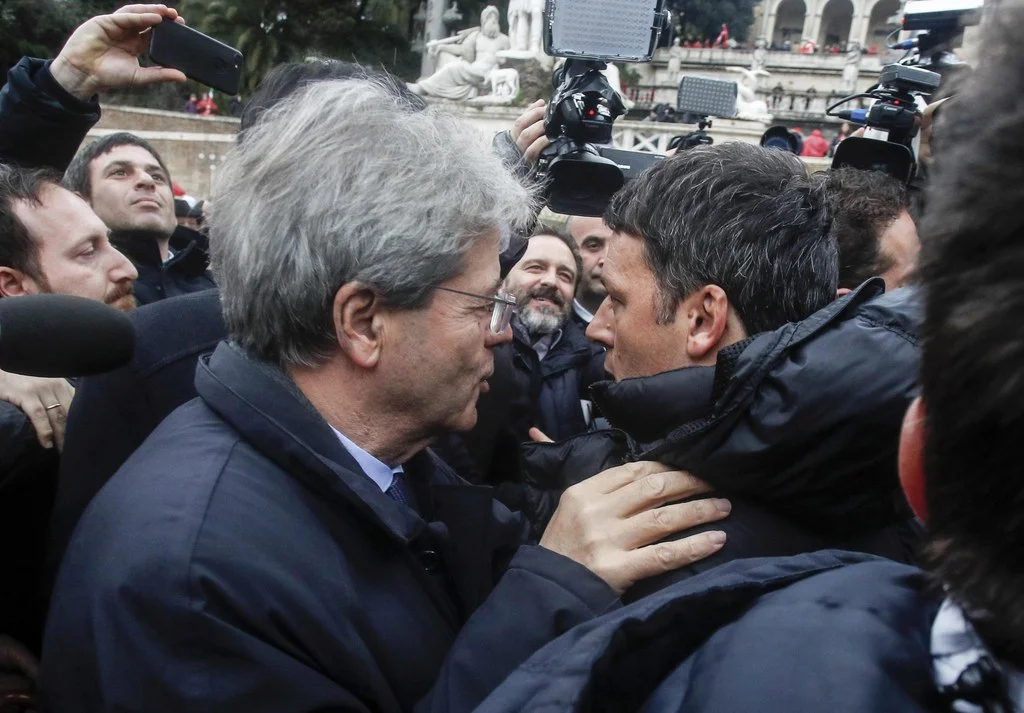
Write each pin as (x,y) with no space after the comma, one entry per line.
(103,52)
(528,132)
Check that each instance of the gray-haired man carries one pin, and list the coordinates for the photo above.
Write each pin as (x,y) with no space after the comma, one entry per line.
(286,541)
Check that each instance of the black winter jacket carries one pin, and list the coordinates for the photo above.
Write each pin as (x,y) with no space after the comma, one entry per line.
(113,413)
(241,561)
(40,123)
(558,383)
(799,427)
(28,480)
(187,271)
(829,631)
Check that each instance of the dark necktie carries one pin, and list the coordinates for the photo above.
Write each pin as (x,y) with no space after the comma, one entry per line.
(398,491)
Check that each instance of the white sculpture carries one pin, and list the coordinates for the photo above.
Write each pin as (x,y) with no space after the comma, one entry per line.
(851,69)
(504,84)
(476,52)
(611,73)
(748,106)
(526,26)
(675,61)
(759,58)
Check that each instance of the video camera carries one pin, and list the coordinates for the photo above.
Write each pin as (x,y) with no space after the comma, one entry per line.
(890,141)
(940,24)
(582,171)
(891,122)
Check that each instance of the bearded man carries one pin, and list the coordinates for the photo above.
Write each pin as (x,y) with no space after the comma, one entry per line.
(552,349)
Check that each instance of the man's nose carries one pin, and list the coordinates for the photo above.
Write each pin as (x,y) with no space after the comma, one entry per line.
(121,268)
(600,329)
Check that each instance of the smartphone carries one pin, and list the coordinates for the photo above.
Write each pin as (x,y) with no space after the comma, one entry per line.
(198,56)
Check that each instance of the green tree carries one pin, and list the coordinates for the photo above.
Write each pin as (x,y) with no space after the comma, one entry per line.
(702,19)
(262,30)
(38,28)
(268,32)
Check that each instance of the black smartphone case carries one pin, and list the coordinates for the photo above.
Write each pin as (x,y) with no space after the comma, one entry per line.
(200,57)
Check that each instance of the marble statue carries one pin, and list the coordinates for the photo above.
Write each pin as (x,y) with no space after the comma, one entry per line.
(851,69)
(675,61)
(748,106)
(611,73)
(759,58)
(526,26)
(475,54)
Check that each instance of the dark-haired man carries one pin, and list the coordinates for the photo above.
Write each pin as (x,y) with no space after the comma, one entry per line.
(732,358)
(591,236)
(52,242)
(843,633)
(872,224)
(128,185)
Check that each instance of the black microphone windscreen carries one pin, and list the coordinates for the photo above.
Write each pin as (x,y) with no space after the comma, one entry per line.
(62,336)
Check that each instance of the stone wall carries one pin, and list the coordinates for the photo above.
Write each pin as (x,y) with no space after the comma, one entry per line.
(191,146)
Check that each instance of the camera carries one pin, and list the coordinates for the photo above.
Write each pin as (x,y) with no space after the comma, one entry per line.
(940,24)
(781,138)
(891,122)
(581,171)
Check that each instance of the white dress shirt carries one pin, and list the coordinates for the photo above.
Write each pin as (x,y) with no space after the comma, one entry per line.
(582,312)
(378,471)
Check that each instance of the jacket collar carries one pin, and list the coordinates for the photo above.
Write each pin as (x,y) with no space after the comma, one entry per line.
(190,247)
(649,408)
(259,401)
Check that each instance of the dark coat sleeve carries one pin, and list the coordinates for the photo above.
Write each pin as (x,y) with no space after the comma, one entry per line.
(541,596)
(40,123)
(109,418)
(21,456)
(794,652)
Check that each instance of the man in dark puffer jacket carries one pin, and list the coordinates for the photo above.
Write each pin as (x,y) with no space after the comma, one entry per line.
(847,633)
(715,251)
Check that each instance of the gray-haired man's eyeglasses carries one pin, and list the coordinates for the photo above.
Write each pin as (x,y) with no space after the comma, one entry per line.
(501,315)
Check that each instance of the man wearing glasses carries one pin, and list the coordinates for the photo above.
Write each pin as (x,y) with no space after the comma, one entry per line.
(287,541)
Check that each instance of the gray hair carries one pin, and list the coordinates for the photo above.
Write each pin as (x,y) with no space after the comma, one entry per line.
(348,182)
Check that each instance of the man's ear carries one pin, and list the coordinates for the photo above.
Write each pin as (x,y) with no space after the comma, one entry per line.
(707,317)
(357,323)
(911,458)
(14,283)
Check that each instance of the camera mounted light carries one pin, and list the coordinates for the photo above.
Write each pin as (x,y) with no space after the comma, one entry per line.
(606,30)
(703,97)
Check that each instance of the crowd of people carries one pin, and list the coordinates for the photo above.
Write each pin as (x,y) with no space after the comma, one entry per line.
(392,439)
